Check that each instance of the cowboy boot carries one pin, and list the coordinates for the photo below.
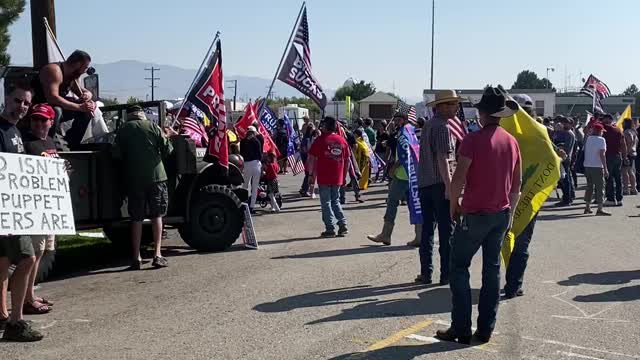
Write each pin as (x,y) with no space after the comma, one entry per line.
(416,241)
(385,236)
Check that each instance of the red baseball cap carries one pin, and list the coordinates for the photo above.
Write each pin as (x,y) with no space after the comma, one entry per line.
(42,110)
(597,126)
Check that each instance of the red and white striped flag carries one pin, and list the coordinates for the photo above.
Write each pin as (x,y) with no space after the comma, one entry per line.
(457,128)
(296,163)
(194,130)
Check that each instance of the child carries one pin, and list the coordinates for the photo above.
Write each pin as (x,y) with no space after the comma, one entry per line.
(271,170)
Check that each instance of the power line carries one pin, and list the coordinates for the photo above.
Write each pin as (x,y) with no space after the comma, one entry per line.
(153,80)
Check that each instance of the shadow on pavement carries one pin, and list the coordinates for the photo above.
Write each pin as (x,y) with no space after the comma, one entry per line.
(629,293)
(365,249)
(433,301)
(605,278)
(552,217)
(346,295)
(406,352)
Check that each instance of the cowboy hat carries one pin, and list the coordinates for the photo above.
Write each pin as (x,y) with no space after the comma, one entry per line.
(495,103)
(443,96)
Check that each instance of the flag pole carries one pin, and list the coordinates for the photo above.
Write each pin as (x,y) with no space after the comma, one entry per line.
(215,38)
(284,53)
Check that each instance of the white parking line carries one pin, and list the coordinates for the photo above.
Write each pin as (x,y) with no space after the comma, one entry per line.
(580,356)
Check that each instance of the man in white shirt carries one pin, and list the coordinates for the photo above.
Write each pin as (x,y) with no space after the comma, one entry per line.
(595,169)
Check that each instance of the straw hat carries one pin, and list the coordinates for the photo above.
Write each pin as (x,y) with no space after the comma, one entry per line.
(443,96)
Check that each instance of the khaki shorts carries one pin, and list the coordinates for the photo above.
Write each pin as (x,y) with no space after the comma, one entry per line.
(42,243)
(16,248)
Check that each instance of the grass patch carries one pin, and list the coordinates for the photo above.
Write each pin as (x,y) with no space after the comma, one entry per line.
(65,242)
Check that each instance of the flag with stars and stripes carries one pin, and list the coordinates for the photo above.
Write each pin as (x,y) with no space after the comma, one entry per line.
(458,124)
(598,91)
(302,38)
(407,110)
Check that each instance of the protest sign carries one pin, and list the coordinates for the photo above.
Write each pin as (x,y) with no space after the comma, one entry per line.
(34,196)
(248,232)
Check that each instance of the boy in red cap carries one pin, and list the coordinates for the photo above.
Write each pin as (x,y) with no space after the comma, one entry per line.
(37,142)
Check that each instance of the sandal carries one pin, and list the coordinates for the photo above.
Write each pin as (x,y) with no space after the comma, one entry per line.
(30,309)
(44,301)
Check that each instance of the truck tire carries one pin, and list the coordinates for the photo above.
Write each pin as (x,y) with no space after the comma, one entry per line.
(46,266)
(120,236)
(215,221)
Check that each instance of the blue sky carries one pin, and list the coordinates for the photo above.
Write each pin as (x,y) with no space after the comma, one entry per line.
(387,42)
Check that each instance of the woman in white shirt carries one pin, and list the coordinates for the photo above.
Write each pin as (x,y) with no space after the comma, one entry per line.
(595,169)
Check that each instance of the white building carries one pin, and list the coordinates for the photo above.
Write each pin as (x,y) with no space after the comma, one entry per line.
(379,106)
(294,112)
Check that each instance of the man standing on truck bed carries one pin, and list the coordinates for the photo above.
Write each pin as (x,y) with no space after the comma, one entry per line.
(142,146)
(56,82)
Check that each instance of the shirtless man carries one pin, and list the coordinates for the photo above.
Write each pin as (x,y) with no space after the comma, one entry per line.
(57,82)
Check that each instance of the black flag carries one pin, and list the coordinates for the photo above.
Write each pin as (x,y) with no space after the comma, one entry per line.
(296,73)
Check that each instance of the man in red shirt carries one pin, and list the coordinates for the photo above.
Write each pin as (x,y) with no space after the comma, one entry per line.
(329,163)
(489,169)
(615,148)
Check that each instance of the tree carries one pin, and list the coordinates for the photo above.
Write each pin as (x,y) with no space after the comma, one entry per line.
(109,102)
(133,100)
(632,90)
(357,91)
(529,80)
(9,13)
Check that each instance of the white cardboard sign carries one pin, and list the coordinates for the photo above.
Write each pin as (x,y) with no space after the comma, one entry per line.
(35,197)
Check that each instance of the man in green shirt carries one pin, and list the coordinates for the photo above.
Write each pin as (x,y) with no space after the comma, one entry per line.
(371,134)
(398,189)
(141,146)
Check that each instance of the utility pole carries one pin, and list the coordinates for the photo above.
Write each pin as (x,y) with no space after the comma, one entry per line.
(433,27)
(235,91)
(153,80)
(41,9)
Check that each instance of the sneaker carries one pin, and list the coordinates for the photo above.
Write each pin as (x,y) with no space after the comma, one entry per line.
(21,331)
(135,265)
(342,231)
(619,203)
(421,279)
(328,234)
(588,211)
(610,203)
(313,196)
(160,262)
(602,213)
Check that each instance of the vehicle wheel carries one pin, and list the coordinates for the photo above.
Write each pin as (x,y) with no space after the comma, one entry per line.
(120,235)
(46,266)
(216,219)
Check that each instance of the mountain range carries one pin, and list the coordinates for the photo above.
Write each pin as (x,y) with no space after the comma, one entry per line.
(126,78)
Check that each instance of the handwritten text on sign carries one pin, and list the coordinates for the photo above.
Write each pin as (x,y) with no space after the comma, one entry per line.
(34,196)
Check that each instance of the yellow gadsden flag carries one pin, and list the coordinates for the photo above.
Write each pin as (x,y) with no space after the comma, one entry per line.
(625,115)
(540,172)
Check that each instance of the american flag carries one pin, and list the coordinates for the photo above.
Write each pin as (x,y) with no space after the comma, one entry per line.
(296,163)
(457,125)
(302,38)
(408,110)
(597,89)
(193,129)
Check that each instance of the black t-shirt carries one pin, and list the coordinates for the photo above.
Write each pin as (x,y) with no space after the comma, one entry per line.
(251,149)
(10,139)
(36,146)
(380,138)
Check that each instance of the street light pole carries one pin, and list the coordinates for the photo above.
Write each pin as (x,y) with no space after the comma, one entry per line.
(433,19)
(548,80)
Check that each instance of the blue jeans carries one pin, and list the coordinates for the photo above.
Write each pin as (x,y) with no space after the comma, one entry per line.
(519,258)
(305,181)
(435,210)
(331,209)
(614,165)
(397,191)
(472,232)
(566,184)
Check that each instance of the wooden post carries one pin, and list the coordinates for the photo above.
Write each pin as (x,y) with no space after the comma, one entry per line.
(41,9)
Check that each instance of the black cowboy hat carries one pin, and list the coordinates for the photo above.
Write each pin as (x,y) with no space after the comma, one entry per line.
(495,102)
